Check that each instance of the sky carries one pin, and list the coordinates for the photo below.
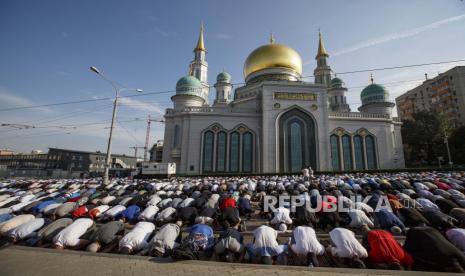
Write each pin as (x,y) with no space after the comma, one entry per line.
(47,47)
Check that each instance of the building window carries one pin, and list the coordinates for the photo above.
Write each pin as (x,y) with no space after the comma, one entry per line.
(221,152)
(371,152)
(295,146)
(208,151)
(347,152)
(334,140)
(358,147)
(234,153)
(247,152)
(176,136)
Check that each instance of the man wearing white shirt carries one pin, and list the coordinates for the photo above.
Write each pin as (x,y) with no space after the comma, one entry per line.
(149,213)
(166,215)
(26,230)
(137,239)
(346,246)
(114,211)
(265,245)
(70,236)
(281,216)
(304,247)
(165,239)
(14,222)
(358,218)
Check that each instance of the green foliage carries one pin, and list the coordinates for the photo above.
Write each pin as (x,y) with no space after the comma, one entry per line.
(423,138)
(457,145)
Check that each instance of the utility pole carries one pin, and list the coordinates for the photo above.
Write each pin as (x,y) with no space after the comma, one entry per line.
(147,135)
(135,148)
(118,89)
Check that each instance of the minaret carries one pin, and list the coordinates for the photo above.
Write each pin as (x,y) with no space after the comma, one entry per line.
(322,71)
(336,96)
(375,99)
(199,66)
(223,88)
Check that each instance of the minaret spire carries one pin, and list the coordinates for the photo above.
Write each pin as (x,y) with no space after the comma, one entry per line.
(272,40)
(371,78)
(322,71)
(200,45)
(321,46)
(199,66)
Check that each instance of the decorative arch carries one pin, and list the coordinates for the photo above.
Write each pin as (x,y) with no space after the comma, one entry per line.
(225,150)
(296,140)
(365,149)
(208,151)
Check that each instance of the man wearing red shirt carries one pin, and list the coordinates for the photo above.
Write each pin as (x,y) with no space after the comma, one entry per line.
(80,212)
(228,202)
(384,252)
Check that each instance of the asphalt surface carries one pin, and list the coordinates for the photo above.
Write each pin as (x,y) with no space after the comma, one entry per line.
(18,260)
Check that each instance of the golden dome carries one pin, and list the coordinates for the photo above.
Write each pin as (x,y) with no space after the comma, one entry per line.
(272,56)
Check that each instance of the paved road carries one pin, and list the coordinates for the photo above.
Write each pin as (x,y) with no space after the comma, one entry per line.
(17,260)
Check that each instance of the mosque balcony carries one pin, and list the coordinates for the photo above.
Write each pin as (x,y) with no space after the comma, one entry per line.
(176,153)
(361,115)
(211,109)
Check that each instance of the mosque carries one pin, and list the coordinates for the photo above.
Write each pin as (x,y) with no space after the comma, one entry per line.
(276,122)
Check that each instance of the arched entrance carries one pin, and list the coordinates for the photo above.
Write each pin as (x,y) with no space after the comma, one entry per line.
(297,145)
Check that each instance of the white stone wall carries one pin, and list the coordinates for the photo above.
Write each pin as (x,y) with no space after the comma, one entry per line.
(255,108)
(387,134)
(270,153)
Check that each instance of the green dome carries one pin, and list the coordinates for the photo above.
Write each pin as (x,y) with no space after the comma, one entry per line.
(374,93)
(223,77)
(188,85)
(337,83)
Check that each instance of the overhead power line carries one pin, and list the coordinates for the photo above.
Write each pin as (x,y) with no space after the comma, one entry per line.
(173,91)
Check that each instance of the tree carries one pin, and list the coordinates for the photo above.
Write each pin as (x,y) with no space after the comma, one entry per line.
(457,145)
(423,138)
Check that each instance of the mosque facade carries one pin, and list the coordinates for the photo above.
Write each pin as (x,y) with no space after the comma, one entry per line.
(276,122)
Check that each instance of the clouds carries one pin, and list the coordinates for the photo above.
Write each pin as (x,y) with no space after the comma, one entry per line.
(9,100)
(396,36)
(142,106)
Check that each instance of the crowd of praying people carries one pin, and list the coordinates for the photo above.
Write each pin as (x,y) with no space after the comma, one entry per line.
(227,219)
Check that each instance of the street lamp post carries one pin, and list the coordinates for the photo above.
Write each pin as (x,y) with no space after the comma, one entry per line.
(446,141)
(118,90)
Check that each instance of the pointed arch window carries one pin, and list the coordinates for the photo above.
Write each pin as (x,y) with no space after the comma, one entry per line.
(358,148)
(347,152)
(334,140)
(370,152)
(208,140)
(234,152)
(247,152)
(221,152)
